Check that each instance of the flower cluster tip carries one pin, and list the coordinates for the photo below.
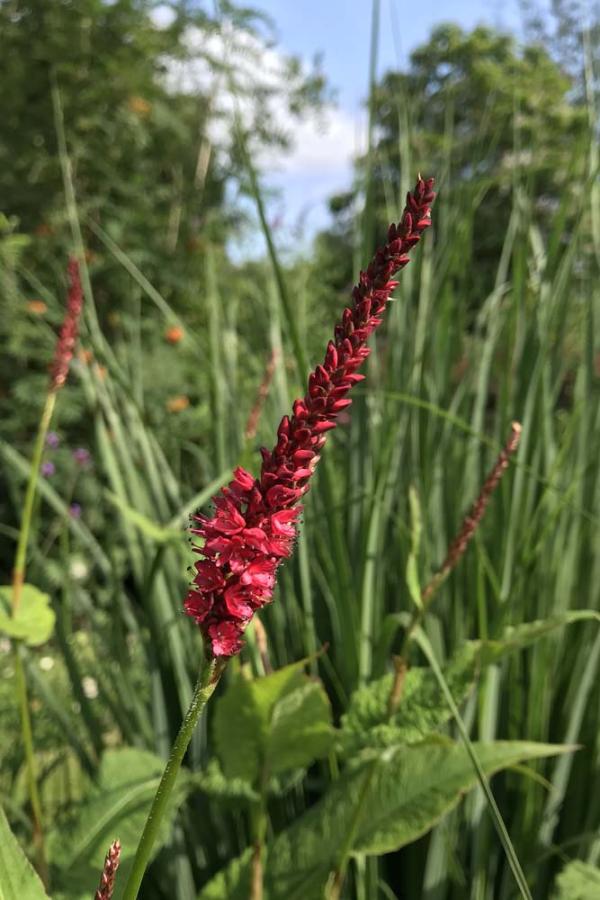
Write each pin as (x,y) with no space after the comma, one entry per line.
(255,520)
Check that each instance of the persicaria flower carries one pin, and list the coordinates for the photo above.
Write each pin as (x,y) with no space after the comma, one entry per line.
(81,456)
(70,327)
(107,879)
(254,524)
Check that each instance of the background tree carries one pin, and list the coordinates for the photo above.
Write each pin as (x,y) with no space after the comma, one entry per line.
(487,115)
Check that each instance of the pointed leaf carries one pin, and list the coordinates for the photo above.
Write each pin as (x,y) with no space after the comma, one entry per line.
(116,807)
(517,637)
(301,729)
(272,724)
(18,878)
(148,527)
(385,803)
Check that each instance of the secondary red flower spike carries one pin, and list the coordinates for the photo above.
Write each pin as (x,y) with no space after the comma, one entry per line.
(69,330)
(107,879)
(253,527)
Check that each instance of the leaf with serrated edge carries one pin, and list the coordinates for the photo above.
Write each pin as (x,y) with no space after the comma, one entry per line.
(578,881)
(423,708)
(403,791)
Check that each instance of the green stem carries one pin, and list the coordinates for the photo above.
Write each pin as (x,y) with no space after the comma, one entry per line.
(27,736)
(18,580)
(334,889)
(502,831)
(259,831)
(25,528)
(205,686)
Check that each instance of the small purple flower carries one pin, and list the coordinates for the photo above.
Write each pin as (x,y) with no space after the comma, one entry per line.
(48,469)
(82,456)
(52,440)
(75,510)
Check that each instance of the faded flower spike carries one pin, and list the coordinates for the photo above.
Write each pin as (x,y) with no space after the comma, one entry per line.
(254,524)
(107,879)
(69,330)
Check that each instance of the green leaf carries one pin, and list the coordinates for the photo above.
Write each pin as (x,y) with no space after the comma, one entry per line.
(18,878)
(234,881)
(385,803)
(422,708)
(116,807)
(578,881)
(301,729)
(213,782)
(517,637)
(161,534)
(272,724)
(412,568)
(34,621)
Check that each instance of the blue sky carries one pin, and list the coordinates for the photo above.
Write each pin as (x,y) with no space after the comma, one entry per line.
(339,30)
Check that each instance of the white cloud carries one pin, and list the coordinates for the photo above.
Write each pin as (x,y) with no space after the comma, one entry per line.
(163,15)
(233,67)
(320,146)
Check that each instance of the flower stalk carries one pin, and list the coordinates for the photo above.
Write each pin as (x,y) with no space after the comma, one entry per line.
(454,554)
(58,374)
(205,686)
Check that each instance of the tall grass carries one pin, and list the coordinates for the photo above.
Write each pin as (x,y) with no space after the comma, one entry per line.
(437,407)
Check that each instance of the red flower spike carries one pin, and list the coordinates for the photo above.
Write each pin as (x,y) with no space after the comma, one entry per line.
(107,879)
(254,526)
(67,338)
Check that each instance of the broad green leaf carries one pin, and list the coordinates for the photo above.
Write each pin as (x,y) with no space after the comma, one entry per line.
(385,803)
(422,708)
(272,724)
(116,807)
(34,621)
(301,729)
(578,881)
(18,878)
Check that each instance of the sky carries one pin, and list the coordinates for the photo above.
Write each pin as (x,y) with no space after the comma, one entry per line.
(320,163)
(339,30)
